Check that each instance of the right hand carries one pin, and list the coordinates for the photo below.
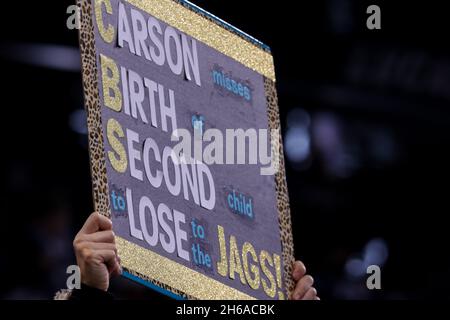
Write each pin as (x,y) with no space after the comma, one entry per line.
(96,252)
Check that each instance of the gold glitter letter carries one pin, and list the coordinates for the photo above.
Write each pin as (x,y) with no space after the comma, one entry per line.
(111,83)
(270,290)
(235,261)
(106,33)
(253,283)
(120,163)
(222,266)
(277,261)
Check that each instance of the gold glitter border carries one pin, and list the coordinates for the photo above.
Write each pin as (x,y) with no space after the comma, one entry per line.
(173,274)
(210,33)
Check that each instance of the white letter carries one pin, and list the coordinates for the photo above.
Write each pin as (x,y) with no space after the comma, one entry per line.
(180,234)
(135,232)
(168,245)
(202,170)
(152,88)
(189,180)
(175,66)
(136,97)
(190,58)
(140,33)
(152,240)
(124,29)
(125,94)
(159,58)
(133,154)
(167,111)
(155,180)
(174,188)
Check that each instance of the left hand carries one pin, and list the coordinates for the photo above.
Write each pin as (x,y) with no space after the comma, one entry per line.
(304,289)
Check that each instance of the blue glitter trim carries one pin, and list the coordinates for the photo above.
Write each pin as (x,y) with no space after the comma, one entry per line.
(223,24)
(152,286)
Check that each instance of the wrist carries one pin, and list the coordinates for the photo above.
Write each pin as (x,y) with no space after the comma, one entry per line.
(87,292)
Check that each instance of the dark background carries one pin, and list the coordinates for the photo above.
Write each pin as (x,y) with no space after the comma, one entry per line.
(365,116)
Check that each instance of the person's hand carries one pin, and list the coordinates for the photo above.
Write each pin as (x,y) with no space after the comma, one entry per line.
(96,252)
(304,289)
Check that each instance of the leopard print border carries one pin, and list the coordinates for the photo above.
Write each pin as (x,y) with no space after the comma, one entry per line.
(100,190)
(284,211)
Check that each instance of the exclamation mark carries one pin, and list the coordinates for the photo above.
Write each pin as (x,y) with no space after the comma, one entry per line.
(276,259)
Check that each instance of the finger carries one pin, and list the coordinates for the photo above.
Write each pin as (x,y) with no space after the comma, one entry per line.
(99,246)
(299,270)
(96,222)
(117,271)
(106,236)
(302,287)
(311,294)
(108,257)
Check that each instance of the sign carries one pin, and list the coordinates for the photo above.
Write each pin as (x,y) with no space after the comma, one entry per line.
(186,155)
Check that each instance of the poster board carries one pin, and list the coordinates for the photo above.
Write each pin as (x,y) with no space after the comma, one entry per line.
(197,225)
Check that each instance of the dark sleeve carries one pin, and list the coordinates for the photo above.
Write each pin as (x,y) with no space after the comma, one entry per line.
(86,293)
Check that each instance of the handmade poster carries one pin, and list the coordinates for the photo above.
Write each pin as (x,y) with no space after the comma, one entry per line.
(185,150)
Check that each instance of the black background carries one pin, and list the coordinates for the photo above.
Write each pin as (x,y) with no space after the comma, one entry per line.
(383,94)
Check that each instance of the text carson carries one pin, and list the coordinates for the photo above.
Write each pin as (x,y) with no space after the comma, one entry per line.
(146,37)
